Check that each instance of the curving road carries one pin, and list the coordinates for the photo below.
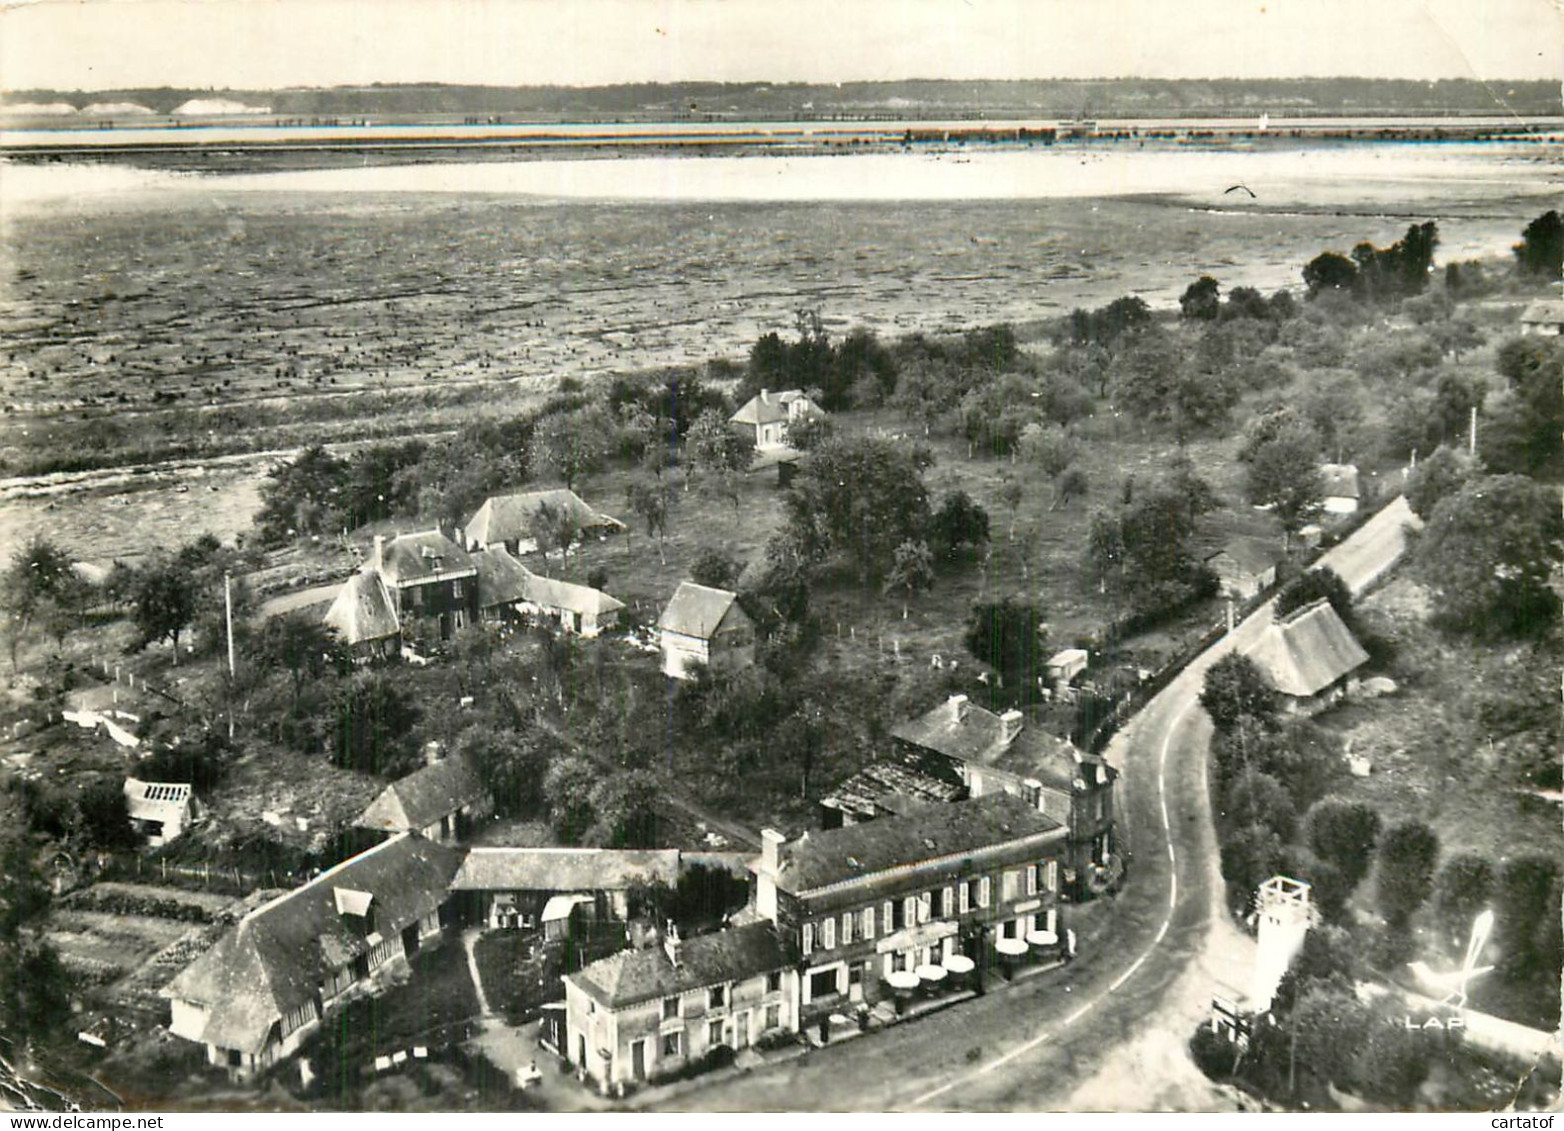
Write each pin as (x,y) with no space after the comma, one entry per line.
(1107,1032)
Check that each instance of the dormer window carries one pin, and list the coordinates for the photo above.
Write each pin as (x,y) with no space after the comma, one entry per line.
(357,908)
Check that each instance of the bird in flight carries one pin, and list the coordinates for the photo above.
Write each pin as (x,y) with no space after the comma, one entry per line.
(1246,188)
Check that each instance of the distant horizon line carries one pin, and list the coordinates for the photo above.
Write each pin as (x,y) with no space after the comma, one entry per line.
(789,83)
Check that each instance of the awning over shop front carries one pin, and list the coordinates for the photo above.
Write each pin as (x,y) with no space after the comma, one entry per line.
(1014,948)
(559,906)
(931,973)
(902,980)
(1042,938)
(959,964)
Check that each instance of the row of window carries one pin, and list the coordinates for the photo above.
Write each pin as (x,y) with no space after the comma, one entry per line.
(716,996)
(673,1042)
(896,914)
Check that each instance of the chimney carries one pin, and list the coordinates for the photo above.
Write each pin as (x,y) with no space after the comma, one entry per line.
(431,753)
(959,707)
(378,560)
(771,843)
(1032,793)
(765,396)
(672,946)
(1010,724)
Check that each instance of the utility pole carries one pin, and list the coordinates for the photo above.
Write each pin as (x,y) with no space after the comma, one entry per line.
(228,608)
(1471,435)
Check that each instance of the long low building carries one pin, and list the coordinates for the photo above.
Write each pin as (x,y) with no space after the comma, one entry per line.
(254,997)
(511,887)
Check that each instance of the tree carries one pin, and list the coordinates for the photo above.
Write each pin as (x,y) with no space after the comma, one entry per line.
(1344,833)
(574,443)
(1235,688)
(714,567)
(1310,587)
(959,522)
(1011,637)
(1438,477)
(569,788)
(1462,891)
(1070,485)
(1152,380)
(307,650)
(1146,550)
(1489,551)
(371,728)
(1330,1025)
(911,572)
(163,601)
(860,498)
(1250,856)
(1329,271)
(1011,494)
(650,504)
(1521,904)
(1534,370)
(304,496)
(1408,853)
(1256,798)
(624,808)
(552,527)
(1201,300)
(40,589)
(103,816)
(1541,250)
(715,447)
(1284,475)
(1329,889)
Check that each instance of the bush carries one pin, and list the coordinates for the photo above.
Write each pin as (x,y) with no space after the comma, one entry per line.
(1344,833)
(1212,1053)
(1407,855)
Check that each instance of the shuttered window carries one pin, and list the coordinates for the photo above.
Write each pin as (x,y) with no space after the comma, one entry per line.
(947,903)
(983,891)
(1031,879)
(966,896)
(847,927)
(828,933)
(809,938)
(868,922)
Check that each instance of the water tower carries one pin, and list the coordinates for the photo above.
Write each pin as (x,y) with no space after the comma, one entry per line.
(1284,914)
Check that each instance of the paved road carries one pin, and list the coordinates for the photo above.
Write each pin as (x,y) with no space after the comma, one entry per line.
(1105,1033)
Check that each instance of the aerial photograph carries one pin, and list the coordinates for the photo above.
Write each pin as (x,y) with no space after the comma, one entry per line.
(781,555)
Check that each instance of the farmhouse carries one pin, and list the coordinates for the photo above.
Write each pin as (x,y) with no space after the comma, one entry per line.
(506,520)
(640,1014)
(1309,656)
(428,576)
(514,887)
(1341,493)
(508,588)
(989,753)
(766,416)
(1545,316)
(440,802)
(158,810)
(1244,567)
(922,894)
(702,625)
(254,997)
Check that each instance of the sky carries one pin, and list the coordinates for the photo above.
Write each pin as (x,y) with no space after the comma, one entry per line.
(262,44)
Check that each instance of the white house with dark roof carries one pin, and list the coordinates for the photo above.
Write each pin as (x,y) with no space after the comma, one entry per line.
(1545,316)
(364,618)
(766,416)
(267,983)
(942,885)
(1309,655)
(1342,493)
(506,520)
(440,802)
(702,625)
(641,1014)
(408,578)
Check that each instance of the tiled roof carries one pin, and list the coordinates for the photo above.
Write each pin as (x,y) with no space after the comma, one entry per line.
(552,594)
(821,859)
(1052,761)
(417,557)
(506,518)
(889,787)
(697,610)
(1308,650)
(564,869)
(1340,480)
(1251,555)
(423,797)
(277,956)
(502,579)
(728,955)
(362,610)
(964,732)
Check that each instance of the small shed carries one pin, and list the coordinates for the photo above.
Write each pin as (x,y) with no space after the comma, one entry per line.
(1342,492)
(1066,665)
(1545,316)
(159,810)
(1244,566)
